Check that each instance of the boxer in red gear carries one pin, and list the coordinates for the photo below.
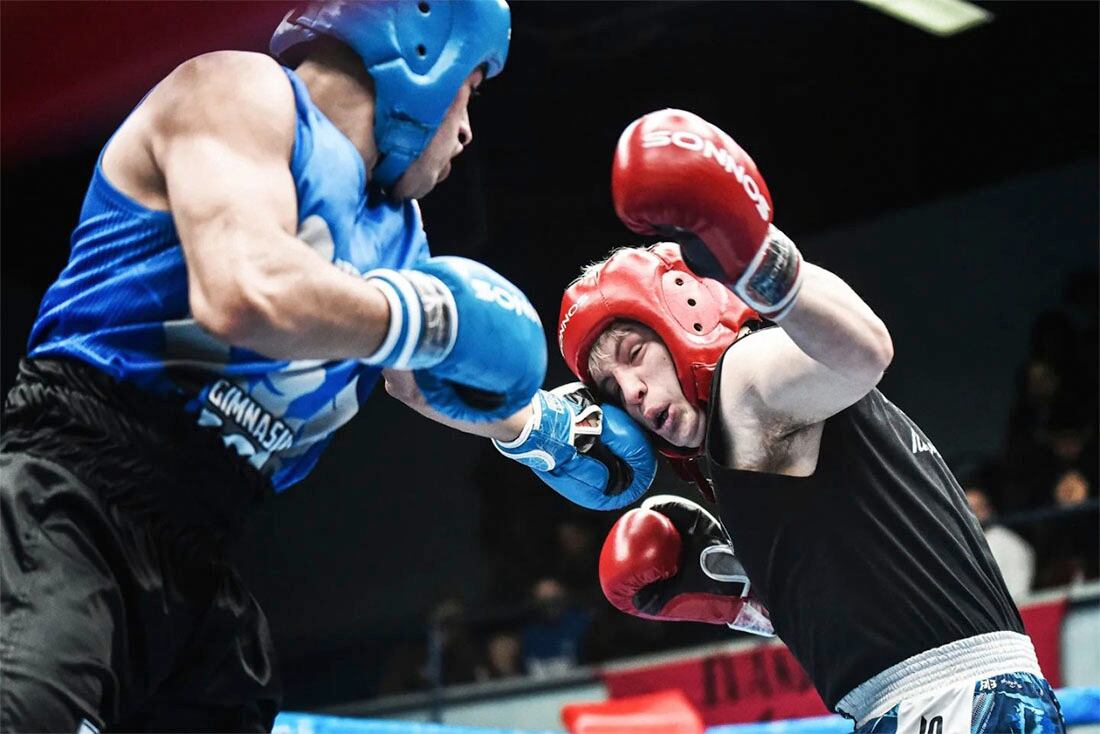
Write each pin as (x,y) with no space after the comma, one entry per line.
(840,510)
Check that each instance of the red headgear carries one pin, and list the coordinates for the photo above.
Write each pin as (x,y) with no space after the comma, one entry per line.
(696,318)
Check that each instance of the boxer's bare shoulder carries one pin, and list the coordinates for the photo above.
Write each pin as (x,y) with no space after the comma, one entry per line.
(752,438)
(237,98)
(217,86)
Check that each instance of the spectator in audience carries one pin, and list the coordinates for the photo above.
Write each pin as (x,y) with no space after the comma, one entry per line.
(614,635)
(459,656)
(410,667)
(502,656)
(1030,462)
(405,670)
(1053,420)
(1069,545)
(1071,488)
(1071,438)
(1013,554)
(552,639)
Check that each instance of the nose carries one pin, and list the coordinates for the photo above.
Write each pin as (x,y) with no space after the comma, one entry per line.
(465,130)
(633,389)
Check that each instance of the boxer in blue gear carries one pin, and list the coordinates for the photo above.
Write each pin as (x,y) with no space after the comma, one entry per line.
(220,316)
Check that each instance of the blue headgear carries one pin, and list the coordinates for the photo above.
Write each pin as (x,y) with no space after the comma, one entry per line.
(417,53)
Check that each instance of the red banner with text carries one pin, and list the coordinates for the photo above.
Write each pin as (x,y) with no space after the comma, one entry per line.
(765,682)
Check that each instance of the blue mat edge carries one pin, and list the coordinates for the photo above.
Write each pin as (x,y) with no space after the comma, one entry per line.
(1080,705)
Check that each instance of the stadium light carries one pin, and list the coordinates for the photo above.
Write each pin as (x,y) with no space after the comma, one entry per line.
(940,17)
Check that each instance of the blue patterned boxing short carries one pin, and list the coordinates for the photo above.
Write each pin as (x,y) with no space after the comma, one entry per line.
(986,684)
(1011,703)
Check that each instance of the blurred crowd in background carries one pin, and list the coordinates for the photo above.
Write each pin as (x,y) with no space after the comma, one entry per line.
(1050,454)
(1036,501)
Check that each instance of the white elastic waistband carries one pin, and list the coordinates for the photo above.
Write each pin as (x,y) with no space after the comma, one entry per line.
(972,658)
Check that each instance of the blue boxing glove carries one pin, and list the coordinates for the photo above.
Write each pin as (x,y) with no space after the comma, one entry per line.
(594,456)
(474,342)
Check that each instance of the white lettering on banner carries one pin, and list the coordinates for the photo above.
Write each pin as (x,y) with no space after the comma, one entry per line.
(725,159)
(568,315)
(486,291)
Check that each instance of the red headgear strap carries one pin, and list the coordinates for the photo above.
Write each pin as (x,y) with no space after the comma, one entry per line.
(696,318)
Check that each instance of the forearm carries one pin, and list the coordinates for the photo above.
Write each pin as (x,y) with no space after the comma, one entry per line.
(504,431)
(285,301)
(835,327)
(401,385)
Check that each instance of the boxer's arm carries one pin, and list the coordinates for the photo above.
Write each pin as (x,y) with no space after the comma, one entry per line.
(400,384)
(830,351)
(221,132)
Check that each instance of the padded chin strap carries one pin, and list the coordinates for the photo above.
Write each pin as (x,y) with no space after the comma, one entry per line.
(689,469)
(702,375)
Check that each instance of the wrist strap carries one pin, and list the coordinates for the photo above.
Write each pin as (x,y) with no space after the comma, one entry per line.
(423,320)
(772,280)
(518,450)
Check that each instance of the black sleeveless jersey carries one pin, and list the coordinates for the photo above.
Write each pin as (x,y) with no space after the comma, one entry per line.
(872,559)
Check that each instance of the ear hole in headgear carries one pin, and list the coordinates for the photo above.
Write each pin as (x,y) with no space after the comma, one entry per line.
(421,50)
(688,303)
(424,8)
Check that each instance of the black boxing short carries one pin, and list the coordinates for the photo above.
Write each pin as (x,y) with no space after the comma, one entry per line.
(119,606)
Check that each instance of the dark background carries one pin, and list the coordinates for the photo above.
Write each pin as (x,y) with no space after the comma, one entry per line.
(952,181)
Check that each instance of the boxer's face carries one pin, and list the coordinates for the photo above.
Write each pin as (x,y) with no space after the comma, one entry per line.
(451,138)
(632,368)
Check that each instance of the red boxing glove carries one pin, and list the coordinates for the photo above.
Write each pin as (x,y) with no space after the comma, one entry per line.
(675,173)
(670,560)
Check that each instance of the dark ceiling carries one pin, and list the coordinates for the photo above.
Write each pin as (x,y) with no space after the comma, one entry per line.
(846,111)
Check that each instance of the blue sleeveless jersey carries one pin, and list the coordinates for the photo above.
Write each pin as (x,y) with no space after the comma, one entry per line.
(121,305)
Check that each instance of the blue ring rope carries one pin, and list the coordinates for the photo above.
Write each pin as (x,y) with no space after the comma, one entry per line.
(1080,705)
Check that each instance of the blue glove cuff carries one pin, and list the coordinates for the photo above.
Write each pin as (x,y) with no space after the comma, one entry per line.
(423,320)
(594,456)
(550,436)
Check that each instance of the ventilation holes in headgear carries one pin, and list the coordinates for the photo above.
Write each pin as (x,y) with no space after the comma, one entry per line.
(679,281)
(424,8)
(421,50)
(691,301)
(698,327)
